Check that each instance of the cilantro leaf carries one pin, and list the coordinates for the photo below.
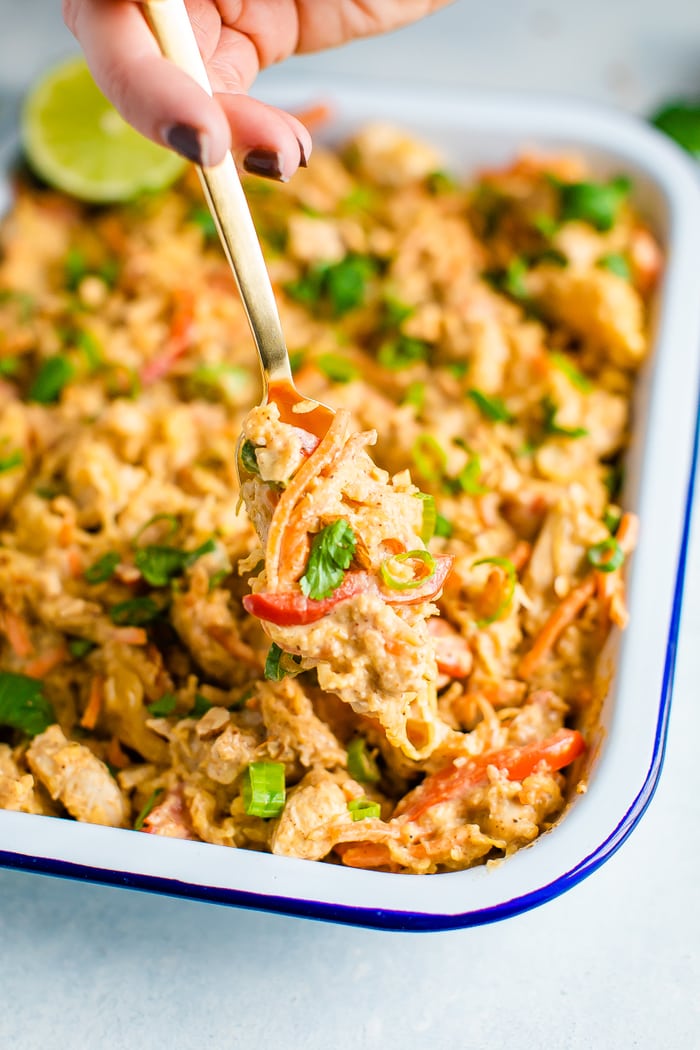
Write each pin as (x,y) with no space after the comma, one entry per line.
(50,380)
(616,263)
(332,550)
(102,569)
(159,564)
(163,706)
(23,705)
(596,203)
(681,121)
(275,670)
(340,286)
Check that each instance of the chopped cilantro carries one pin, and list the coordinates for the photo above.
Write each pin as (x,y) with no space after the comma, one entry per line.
(340,286)
(50,380)
(103,568)
(23,705)
(597,203)
(332,550)
(164,706)
(159,564)
(681,121)
(402,352)
(80,647)
(135,612)
(337,368)
(200,707)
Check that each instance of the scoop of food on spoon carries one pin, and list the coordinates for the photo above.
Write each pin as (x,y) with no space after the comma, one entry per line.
(347,580)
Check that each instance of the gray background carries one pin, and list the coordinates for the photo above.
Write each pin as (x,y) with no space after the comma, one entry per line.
(612,964)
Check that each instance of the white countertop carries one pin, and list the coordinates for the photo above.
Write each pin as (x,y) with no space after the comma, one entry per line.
(611,965)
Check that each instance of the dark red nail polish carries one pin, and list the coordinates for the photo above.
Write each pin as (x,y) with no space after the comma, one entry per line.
(187,141)
(263,162)
(302,156)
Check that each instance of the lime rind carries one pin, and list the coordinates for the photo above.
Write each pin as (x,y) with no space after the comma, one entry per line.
(76,141)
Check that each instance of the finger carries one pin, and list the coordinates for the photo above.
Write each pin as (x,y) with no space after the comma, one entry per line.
(159,100)
(265,141)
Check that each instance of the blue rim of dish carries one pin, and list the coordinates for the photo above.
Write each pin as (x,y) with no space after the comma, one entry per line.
(420,922)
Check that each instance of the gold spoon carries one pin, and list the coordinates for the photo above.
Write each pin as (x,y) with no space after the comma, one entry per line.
(224,194)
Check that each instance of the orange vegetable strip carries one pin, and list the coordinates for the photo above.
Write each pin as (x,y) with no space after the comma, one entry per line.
(520,555)
(94,704)
(326,451)
(179,339)
(130,635)
(455,781)
(364,854)
(565,613)
(17,631)
(50,660)
(115,756)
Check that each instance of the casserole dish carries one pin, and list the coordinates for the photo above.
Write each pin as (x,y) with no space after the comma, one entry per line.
(625,758)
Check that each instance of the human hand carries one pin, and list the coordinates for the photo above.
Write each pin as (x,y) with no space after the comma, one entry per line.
(237,39)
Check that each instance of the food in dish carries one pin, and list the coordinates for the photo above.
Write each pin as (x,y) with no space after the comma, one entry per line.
(489,335)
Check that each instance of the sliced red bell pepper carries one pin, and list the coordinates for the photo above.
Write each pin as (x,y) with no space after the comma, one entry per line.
(455,781)
(292,609)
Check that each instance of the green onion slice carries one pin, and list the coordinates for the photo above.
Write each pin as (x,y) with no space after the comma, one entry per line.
(9,462)
(163,707)
(363,808)
(102,569)
(511,578)
(576,378)
(615,263)
(148,806)
(612,518)
(491,407)
(429,457)
(397,584)
(361,765)
(607,555)
(443,527)
(427,530)
(549,410)
(263,789)
(248,458)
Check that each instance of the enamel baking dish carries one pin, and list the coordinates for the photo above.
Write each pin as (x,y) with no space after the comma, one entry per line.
(626,756)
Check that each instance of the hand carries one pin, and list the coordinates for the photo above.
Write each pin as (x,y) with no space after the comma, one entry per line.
(237,39)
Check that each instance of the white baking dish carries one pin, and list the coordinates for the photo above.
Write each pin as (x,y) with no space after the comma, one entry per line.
(626,759)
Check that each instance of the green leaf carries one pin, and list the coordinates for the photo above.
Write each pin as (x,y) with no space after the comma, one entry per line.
(159,564)
(394,312)
(490,406)
(439,182)
(50,380)
(279,664)
(616,263)
(248,458)
(221,380)
(23,705)
(103,568)
(681,122)
(511,280)
(597,203)
(332,550)
(162,707)
(339,286)
(150,803)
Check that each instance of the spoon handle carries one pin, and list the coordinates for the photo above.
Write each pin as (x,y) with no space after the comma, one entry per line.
(172,29)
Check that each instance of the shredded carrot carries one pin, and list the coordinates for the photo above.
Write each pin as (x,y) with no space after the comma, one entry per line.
(66,532)
(557,623)
(115,756)
(16,629)
(179,339)
(364,854)
(323,455)
(75,563)
(315,116)
(94,704)
(130,635)
(520,555)
(49,661)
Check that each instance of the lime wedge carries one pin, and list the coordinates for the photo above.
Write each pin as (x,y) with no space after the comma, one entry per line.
(76,141)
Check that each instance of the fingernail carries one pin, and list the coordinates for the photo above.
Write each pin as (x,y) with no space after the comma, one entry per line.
(302,156)
(264,162)
(188,142)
